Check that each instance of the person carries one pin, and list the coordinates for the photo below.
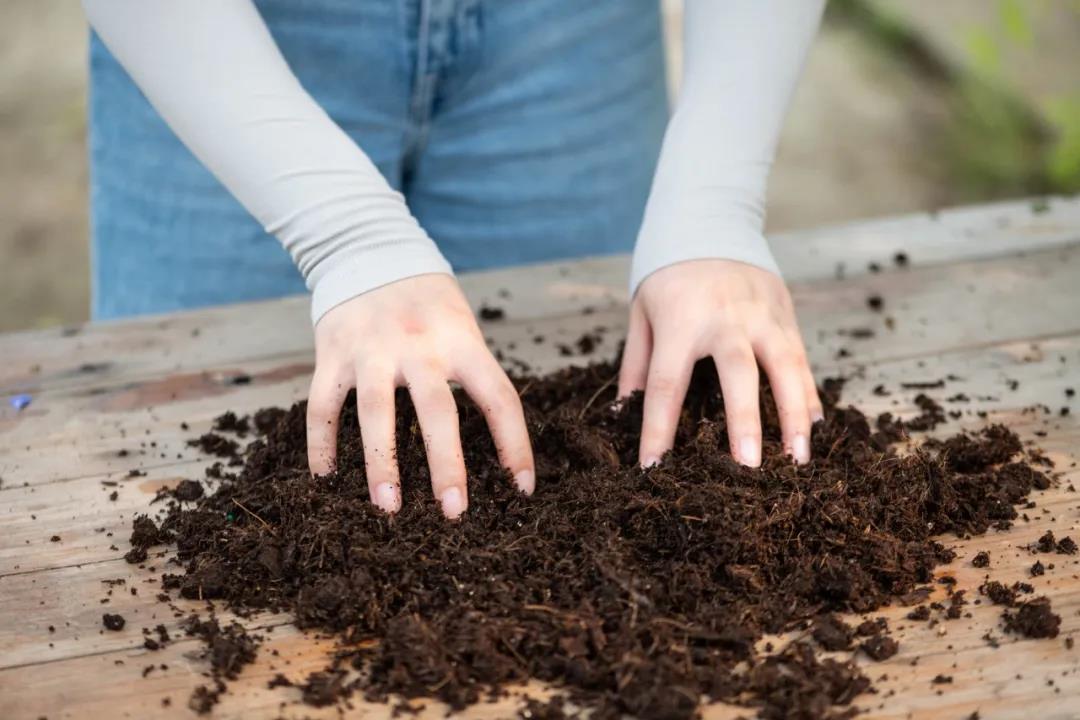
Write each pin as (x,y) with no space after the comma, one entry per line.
(384,142)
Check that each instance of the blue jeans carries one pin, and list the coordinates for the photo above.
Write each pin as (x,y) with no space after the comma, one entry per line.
(518,131)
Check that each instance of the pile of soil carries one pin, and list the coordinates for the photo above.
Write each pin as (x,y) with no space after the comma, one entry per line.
(631,591)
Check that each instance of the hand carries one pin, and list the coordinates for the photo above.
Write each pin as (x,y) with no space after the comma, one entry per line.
(418,333)
(738,314)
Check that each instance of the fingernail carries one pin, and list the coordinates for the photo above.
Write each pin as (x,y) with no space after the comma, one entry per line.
(749,452)
(525,481)
(650,461)
(800,448)
(453,503)
(386,498)
(818,416)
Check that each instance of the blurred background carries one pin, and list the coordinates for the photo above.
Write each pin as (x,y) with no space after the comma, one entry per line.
(905,105)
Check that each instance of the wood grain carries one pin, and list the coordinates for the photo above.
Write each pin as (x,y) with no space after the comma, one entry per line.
(989,297)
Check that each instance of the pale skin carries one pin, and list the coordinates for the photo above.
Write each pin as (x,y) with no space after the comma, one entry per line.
(419,333)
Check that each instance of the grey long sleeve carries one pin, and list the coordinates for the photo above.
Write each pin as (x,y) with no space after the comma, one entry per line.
(742,59)
(213,72)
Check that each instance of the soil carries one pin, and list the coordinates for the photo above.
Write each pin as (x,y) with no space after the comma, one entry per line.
(1033,619)
(113,622)
(632,591)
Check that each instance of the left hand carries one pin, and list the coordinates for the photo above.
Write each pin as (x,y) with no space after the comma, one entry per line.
(738,314)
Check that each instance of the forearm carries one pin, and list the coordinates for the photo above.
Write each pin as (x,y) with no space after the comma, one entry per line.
(214,73)
(742,59)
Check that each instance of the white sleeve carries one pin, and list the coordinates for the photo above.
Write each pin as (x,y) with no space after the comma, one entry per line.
(742,59)
(214,73)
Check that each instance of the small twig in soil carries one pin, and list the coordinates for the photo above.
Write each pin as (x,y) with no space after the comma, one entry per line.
(241,506)
(596,394)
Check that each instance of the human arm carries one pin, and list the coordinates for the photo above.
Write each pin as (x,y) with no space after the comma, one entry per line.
(214,73)
(703,281)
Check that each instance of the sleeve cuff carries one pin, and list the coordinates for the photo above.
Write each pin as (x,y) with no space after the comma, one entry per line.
(371,268)
(700,242)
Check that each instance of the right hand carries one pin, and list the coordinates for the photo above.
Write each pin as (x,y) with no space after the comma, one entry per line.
(418,333)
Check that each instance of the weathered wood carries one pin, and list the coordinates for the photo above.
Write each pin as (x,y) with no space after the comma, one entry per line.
(220,336)
(935,309)
(80,504)
(988,296)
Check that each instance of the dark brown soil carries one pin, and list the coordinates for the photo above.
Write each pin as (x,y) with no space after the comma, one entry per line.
(227,648)
(112,621)
(214,444)
(1033,619)
(188,490)
(633,591)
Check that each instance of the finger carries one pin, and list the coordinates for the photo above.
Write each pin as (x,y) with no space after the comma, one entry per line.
(781,363)
(738,371)
(492,391)
(375,412)
(325,397)
(665,389)
(437,413)
(634,370)
(813,401)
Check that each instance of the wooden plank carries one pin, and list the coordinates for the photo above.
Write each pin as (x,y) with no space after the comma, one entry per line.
(928,318)
(72,593)
(72,597)
(80,505)
(91,678)
(220,336)
(154,380)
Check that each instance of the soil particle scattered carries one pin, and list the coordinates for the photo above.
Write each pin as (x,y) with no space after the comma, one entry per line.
(873,626)
(227,648)
(267,419)
(875,303)
(323,688)
(587,343)
(188,490)
(230,422)
(214,444)
(998,593)
(489,313)
(1033,619)
(923,385)
(144,533)
(931,414)
(981,559)
(1048,543)
(279,680)
(112,621)
(920,613)
(832,633)
(136,555)
(879,647)
(631,591)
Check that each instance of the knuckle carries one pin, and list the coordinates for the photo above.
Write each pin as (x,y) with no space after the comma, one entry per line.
(503,398)
(736,356)
(321,408)
(369,396)
(662,386)
(431,398)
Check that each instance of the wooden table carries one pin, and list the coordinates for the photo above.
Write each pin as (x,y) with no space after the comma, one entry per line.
(991,294)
